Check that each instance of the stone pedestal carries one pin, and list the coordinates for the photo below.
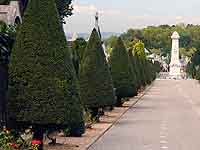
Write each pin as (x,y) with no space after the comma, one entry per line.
(175,65)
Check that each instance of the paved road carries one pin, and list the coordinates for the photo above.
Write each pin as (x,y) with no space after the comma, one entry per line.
(166,118)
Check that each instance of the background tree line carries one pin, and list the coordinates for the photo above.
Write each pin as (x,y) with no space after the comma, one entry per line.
(158,38)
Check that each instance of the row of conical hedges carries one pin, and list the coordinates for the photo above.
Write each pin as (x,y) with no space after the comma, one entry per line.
(130,70)
(45,90)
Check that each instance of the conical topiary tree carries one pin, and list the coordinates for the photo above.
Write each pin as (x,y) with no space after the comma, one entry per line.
(43,85)
(135,69)
(95,79)
(139,53)
(77,51)
(122,73)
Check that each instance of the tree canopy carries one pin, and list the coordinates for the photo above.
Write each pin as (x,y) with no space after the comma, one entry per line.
(122,72)
(64,8)
(158,38)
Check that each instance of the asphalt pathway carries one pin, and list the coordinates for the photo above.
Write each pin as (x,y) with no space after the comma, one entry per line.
(166,118)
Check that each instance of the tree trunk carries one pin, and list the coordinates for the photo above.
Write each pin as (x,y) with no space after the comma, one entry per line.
(38,135)
(119,102)
(95,113)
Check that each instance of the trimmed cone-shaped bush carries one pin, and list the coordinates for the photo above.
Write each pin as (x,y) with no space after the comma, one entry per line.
(43,84)
(141,67)
(95,79)
(135,69)
(122,72)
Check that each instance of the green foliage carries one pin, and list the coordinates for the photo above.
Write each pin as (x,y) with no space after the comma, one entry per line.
(7,37)
(110,42)
(79,45)
(193,65)
(5,139)
(77,51)
(43,84)
(197,76)
(141,68)
(95,79)
(157,66)
(191,71)
(160,37)
(12,140)
(145,71)
(64,8)
(136,69)
(122,71)
(188,52)
(196,58)
(7,29)
(139,50)
(3,2)
(156,51)
(132,35)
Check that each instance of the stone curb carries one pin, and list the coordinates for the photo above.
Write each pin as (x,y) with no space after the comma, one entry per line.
(117,120)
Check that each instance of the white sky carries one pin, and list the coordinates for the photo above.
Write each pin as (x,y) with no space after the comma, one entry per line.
(119,15)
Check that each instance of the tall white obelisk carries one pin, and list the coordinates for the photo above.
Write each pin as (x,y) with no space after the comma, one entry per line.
(175,65)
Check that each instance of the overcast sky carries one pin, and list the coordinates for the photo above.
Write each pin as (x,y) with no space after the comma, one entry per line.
(119,15)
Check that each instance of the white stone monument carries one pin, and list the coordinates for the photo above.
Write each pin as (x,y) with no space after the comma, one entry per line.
(175,65)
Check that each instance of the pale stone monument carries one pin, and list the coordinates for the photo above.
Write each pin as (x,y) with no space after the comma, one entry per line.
(175,65)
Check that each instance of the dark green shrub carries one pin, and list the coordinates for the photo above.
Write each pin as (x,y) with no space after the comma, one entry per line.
(135,69)
(191,71)
(122,72)
(77,51)
(95,79)
(4,2)
(6,43)
(197,74)
(43,84)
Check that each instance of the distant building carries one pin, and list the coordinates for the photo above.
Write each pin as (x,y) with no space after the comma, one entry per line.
(11,14)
